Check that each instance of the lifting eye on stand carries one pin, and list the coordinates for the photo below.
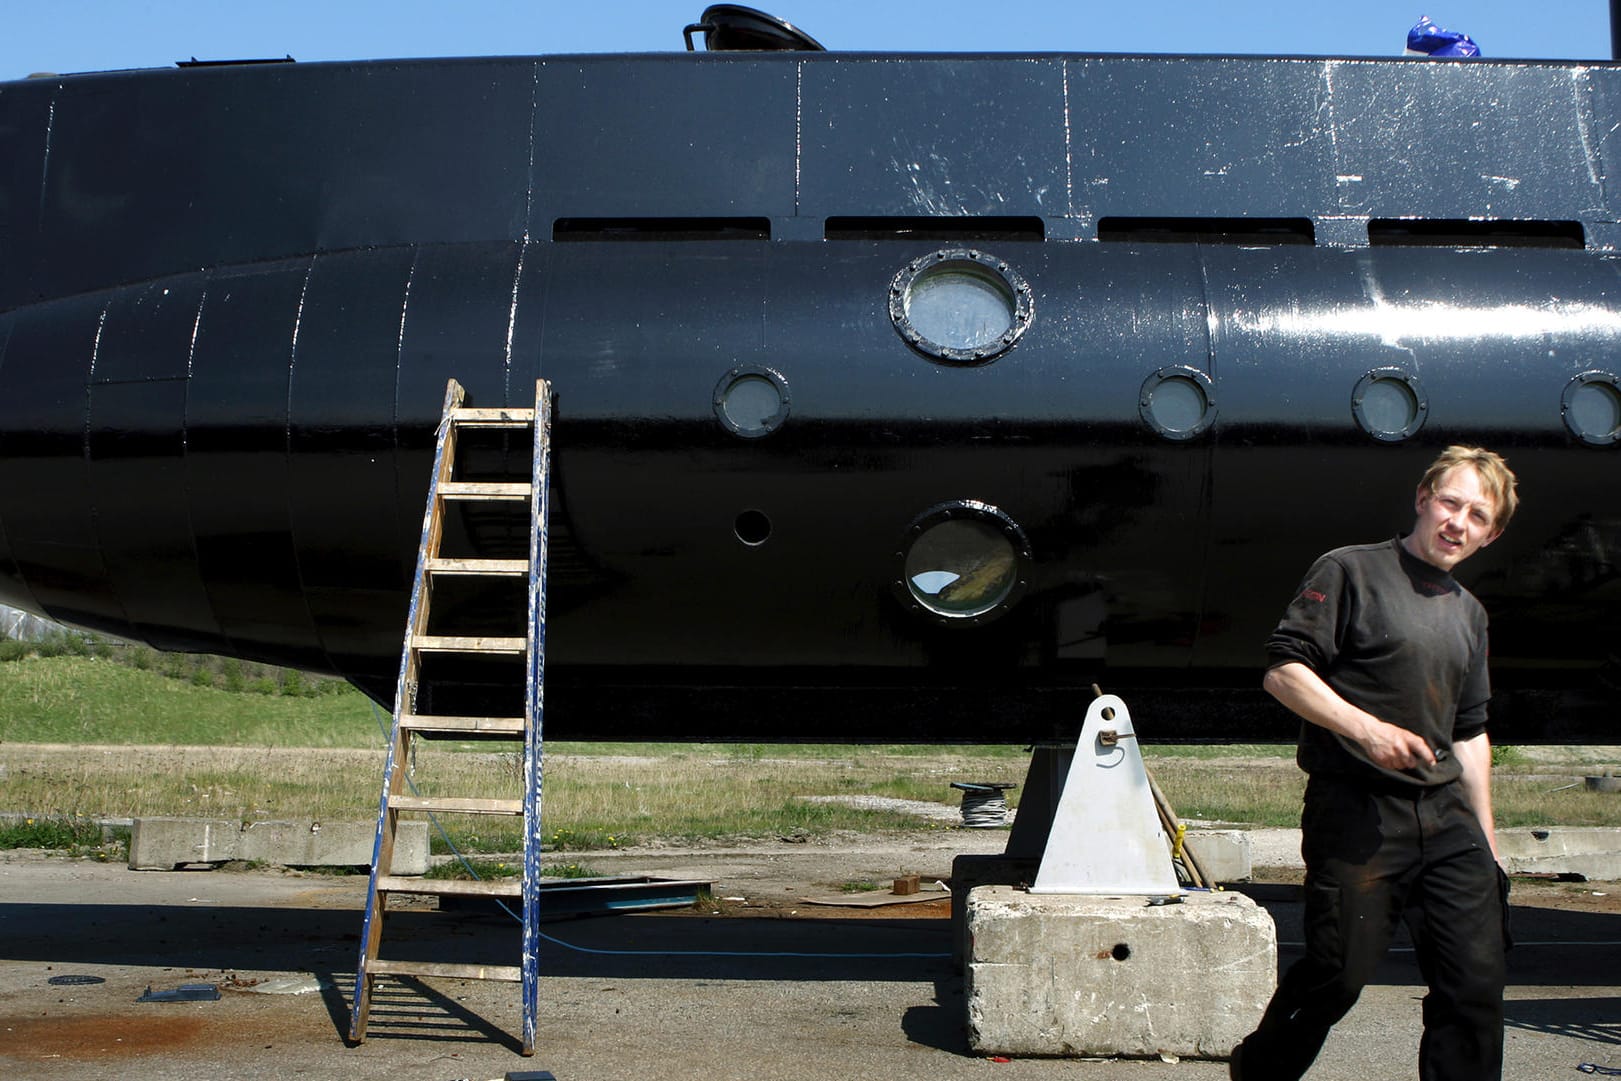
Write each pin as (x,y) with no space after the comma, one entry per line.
(1109,737)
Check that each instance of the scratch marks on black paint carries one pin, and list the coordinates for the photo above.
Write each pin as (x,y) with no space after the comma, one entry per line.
(1069,147)
(1347,184)
(512,324)
(45,157)
(1581,91)
(399,344)
(799,128)
(292,352)
(534,113)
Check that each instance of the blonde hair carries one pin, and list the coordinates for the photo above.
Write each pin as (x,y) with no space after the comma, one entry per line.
(1495,477)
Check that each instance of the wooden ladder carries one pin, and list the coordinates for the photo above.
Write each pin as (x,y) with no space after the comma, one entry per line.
(421,644)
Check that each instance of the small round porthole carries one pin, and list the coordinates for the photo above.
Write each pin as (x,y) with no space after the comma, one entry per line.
(960,305)
(1177,403)
(963,562)
(751,402)
(1591,406)
(1389,404)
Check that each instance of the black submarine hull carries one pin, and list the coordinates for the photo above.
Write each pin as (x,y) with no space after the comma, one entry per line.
(232,298)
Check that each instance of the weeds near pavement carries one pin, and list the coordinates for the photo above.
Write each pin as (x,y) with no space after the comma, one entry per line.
(677,793)
(73,835)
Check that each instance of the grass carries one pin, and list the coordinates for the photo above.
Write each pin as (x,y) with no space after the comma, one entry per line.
(94,699)
(1531,786)
(591,801)
(89,730)
(74,835)
(669,793)
(52,831)
(1243,790)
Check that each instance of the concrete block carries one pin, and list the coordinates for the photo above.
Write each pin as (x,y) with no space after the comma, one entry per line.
(1070,975)
(1224,854)
(332,844)
(162,844)
(968,873)
(1593,853)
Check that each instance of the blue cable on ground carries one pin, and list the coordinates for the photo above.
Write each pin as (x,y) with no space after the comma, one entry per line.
(468,867)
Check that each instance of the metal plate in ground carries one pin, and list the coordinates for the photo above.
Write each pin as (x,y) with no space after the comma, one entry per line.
(879,898)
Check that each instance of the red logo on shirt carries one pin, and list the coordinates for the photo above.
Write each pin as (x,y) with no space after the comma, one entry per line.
(1313,595)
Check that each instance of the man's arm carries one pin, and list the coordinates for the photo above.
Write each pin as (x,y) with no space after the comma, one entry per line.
(1475,756)
(1305,693)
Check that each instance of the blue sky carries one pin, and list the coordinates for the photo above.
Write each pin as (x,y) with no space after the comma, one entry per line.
(97,35)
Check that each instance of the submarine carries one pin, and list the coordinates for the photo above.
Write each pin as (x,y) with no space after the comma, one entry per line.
(897,396)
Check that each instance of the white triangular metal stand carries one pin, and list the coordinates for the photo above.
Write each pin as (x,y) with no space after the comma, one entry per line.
(1106,836)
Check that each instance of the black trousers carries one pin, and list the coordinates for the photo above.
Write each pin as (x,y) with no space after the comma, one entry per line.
(1373,858)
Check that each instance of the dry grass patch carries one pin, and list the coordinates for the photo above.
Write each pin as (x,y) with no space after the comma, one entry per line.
(226,782)
(1531,786)
(1245,791)
(589,800)
(675,792)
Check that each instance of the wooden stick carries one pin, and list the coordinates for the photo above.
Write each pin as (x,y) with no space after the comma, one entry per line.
(1196,870)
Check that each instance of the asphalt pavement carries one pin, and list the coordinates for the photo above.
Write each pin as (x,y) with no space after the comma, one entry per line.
(766,987)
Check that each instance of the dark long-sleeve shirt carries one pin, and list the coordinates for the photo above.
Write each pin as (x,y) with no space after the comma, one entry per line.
(1396,637)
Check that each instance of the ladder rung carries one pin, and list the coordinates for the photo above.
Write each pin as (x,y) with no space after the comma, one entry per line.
(379,967)
(493,417)
(444,643)
(456,804)
(505,567)
(484,489)
(418,722)
(445,887)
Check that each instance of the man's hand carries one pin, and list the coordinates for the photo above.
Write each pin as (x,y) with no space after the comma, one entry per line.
(1394,747)
(1305,693)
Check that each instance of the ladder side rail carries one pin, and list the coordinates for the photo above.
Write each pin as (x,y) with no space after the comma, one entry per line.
(404,703)
(534,706)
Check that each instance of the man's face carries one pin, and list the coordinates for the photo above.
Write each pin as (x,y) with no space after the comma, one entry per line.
(1454,521)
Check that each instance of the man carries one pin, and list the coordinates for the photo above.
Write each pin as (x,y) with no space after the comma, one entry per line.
(1383,655)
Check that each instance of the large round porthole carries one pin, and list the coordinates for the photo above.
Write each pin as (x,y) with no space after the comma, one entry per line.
(1591,406)
(1177,403)
(1389,404)
(963,562)
(960,305)
(751,402)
